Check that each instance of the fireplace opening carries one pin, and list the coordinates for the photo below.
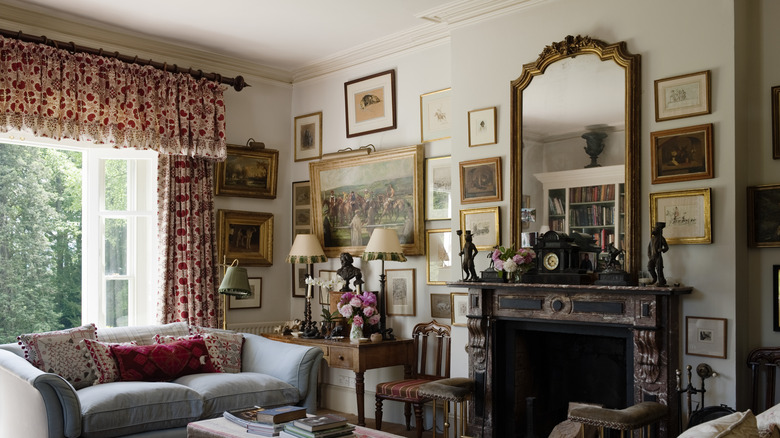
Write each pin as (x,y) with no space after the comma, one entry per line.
(558,363)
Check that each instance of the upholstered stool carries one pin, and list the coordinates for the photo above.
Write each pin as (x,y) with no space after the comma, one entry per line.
(457,390)
(639,416)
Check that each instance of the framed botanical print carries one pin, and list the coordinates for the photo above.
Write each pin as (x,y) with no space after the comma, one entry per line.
(459,308)
(438,188)
(480,180)
(401,292)
(439,255)
(435,115)
(682,96)
(247,236)
(686,214)
(308,137)
(484,226)
(682,154)
(253,300)
(482,127)
(370,104)
(249,173)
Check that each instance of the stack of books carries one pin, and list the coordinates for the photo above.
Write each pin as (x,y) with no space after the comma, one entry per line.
(265,422)
(325,426)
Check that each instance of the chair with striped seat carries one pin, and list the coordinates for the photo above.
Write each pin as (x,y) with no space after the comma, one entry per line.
(432,348)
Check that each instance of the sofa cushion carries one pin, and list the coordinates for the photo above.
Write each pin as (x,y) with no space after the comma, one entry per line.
(768,422)
(103,361)
(224,348)
(161,362)
(59,352)
(122,408)
(736,425)
(227,392)
(142,334)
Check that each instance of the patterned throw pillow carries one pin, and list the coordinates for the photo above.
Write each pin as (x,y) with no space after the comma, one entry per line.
(162,362)
(224,348)
(103,361)
(736,425)
(59,352)
(769,422)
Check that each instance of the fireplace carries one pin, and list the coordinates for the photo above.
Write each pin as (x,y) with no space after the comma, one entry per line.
(555,344)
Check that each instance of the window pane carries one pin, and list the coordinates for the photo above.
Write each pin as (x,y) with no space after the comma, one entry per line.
(116,185)
(116,303)
(116,246)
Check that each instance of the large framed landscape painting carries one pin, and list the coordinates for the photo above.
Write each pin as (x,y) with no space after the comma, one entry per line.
(353,196)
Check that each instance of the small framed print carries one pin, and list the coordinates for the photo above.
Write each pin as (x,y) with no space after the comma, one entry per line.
(299,272)
(459,308)
(480,180)
(682,154)
(370,104)
(440,306)
(301,208)
(435,115)
(686,214)
(705,336)
(776,297)
(764,216)
(438,188)
(438,244)
(484,226)
(308,137)
(401,292)
(776,122)
(482,127)
(682,96)
(251,301)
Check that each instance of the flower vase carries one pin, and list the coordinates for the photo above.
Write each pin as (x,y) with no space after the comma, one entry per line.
(355,334)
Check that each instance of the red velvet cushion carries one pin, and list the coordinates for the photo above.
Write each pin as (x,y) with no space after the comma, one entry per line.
(161,362)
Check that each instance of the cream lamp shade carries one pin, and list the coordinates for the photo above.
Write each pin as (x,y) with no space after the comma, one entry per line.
(235,282)
(306,249)
(384,245)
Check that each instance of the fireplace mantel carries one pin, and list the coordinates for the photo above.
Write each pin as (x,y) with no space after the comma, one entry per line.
(651,313)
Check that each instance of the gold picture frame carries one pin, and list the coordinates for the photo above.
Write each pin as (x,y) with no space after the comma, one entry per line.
(246,236)
(438,255)
(763,216)
(248,173)
(686,214)
(308,137)
(681,154)
(301,208)
(382,189)
(480,180)
(436,115)
(482,127)
(438,188)
(682,96)
(370,104)
(484,224)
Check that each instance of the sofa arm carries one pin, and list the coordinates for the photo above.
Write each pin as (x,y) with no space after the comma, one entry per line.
(297,365)
(50,405)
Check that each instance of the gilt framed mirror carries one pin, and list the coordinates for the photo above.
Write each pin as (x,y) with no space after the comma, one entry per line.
(575,150)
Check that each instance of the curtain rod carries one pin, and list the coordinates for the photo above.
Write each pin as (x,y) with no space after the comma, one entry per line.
(237,83)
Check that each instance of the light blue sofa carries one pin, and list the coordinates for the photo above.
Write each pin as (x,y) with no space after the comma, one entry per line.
(35,404)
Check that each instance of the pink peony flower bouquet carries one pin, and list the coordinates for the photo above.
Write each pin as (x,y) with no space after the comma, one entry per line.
(359,309)
(513,262)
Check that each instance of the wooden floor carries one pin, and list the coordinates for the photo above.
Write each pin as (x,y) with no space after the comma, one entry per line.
(397,429)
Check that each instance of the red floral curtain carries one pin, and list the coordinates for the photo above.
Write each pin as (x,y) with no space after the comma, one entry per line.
(188,254)
(58,94)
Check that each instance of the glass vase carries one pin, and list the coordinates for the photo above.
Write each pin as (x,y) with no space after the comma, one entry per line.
(355,333)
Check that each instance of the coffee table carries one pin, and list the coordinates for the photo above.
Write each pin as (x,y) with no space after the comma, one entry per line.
(222,428)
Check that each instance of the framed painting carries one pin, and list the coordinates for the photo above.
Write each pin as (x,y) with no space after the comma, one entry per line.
(776,297)
(480,180)
(682,96)
(246,236)
(440,306)
(248,173)
(459,308)
(705,336)
(308,137)
(682,154)
(764,216)
(435,115)
(326,274)
(482,127)
(370,104)
(301,208)
(438,188)
(251,301)
(401,292)
(686,214)
(438,255)
(299,272)
(776,122)
(352,196)
(484,226)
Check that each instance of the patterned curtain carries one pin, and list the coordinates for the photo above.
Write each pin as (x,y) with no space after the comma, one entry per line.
(188,256)
(57,94)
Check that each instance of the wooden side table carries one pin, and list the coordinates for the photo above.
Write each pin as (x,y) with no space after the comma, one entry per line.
(359,357)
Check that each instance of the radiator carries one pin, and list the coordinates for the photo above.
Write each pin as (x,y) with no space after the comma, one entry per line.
(257,328)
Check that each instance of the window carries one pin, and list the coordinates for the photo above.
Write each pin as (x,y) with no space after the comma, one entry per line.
(78,236)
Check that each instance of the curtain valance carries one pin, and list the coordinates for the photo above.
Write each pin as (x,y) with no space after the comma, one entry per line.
(58,94)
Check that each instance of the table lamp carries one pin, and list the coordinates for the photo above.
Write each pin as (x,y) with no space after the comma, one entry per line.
(235,282)
(383,245)
(307,249)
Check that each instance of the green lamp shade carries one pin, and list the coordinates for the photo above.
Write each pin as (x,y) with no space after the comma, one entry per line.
(236,282)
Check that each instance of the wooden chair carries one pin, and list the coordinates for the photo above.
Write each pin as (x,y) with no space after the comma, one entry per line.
(768,359)
(432,348)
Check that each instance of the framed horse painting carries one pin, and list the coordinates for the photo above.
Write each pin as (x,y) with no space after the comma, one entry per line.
(353,196)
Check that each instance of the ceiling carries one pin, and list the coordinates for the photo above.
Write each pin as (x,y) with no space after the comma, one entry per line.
(287,40)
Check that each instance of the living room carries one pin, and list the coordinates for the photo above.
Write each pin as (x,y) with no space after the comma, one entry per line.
(478,60)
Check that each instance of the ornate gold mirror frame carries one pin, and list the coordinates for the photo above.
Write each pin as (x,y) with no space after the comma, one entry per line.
(569,48)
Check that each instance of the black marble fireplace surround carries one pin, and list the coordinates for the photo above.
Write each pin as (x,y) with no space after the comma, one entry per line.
(612,345)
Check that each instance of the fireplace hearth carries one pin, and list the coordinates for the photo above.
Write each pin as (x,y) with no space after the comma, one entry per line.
(554,344)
